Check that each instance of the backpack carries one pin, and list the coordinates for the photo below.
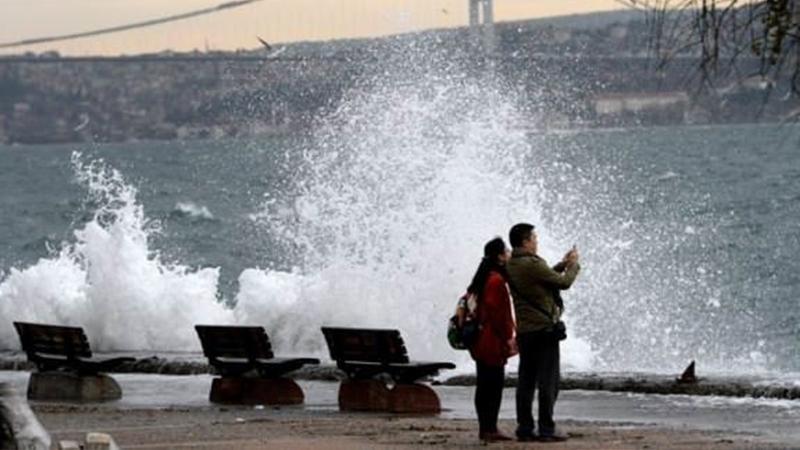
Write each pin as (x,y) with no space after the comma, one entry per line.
(463,327)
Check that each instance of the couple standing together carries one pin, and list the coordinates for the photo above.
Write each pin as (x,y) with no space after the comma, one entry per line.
(535,288)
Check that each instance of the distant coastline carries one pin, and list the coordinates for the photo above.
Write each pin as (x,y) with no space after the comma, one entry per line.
(529,132)
(564,76)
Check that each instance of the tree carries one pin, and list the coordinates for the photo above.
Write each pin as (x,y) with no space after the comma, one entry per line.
(729,37)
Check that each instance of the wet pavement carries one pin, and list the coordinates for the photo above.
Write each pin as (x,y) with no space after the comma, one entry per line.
(767,417)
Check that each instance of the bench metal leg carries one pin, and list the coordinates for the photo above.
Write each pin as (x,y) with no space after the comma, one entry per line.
(256,391)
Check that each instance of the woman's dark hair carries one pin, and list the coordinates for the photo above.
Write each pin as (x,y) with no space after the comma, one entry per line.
(491,261)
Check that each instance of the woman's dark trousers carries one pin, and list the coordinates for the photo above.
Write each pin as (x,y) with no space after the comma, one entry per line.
(538,368)
(488,395)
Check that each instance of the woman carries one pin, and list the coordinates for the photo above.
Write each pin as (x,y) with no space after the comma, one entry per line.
(495,342)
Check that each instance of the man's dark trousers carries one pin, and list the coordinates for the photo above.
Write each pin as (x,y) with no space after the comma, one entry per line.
(538,368)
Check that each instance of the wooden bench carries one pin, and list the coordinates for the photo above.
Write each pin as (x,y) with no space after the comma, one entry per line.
(65,368)
(249,371)
(367,354)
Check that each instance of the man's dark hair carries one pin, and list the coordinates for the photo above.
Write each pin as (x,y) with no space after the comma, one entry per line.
(519,233)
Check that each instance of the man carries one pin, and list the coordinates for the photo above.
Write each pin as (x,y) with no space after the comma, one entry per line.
(537,303)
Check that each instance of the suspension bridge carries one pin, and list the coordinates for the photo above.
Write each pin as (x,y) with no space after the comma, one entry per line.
(210,28)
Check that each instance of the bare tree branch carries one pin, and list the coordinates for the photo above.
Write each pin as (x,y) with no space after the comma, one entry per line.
(722,33)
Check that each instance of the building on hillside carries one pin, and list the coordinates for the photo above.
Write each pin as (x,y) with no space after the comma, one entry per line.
(637,102)
(640,107)
(618,32)
(21,109)
(755,83)
(3,135)
(793,115)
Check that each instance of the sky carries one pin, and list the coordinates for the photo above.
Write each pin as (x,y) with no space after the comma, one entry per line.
(276,21)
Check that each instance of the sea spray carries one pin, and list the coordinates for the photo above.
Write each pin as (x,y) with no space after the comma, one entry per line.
(401,186)
(110,281)
(378,219)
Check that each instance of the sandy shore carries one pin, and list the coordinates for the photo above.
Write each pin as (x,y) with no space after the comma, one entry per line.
(298,428)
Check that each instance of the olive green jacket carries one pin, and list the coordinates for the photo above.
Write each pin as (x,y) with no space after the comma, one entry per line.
(533,281)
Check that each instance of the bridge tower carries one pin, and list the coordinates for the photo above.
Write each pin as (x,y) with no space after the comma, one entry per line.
(481,23)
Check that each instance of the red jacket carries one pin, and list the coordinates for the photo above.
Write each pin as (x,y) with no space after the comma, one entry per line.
(496,323)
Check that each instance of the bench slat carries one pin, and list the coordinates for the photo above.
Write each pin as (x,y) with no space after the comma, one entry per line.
(52,347)
(236,350)
(368,345)
(234,341)
(53,339)
(365,353)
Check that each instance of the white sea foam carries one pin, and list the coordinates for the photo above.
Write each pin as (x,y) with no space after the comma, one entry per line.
(789,407)
(399,189)
(669,175)
(193,210)
(110,281)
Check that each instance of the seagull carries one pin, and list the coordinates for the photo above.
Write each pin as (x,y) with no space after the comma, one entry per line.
(444,11)
(84,121)
(264,43)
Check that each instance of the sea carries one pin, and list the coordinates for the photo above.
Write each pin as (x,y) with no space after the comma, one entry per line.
(376,216)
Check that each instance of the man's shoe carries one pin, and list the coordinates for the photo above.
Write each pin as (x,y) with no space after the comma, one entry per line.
(555,437)
(526,437)
(493,436)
